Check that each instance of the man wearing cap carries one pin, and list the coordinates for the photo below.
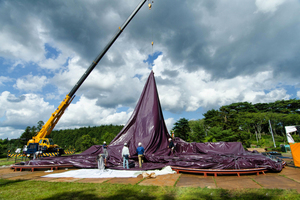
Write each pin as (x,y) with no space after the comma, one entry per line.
(105,153)
(140,151)
(125,155)
(171,145)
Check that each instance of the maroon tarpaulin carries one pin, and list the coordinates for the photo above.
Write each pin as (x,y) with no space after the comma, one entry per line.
(147,125)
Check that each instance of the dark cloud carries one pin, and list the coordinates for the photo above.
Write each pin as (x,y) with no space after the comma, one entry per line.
(13,99)
(226,40)
(170,73)
(163,81)
(258,39)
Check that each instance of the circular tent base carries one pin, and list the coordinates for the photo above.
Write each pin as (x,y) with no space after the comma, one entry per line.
(220,171)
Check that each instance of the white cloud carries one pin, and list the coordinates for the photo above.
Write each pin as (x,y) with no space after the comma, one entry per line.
(190,91)
(214,53)
(28,46)
(16,47)
(4,79)
(25,110)
(170,123)
(268,5)
(10,133)
(276,94)
(85,112)
(53,64)
(31,83)
(51,96)
(106,82)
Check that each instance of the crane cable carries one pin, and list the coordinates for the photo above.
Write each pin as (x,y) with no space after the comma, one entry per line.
(150,6)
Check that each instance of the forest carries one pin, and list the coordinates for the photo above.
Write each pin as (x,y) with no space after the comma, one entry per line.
(247,123)
(250,124)
(79,139)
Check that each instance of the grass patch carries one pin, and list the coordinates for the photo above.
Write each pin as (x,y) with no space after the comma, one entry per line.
(177,180)
(288,177)
(4,161)
(256,182)
(31,189)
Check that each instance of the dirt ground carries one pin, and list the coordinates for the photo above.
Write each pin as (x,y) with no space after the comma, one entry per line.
(288,178)
(260,150)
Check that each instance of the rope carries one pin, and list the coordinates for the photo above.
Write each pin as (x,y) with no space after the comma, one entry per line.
(152,43)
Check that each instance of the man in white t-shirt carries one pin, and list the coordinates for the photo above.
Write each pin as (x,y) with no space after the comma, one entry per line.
(125,155)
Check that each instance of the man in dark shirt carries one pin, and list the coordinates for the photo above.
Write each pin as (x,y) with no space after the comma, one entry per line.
(171,145)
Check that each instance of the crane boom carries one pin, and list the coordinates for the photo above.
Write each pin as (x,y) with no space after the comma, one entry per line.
(50,124)
(95,62)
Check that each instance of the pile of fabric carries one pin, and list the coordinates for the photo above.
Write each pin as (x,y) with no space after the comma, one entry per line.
(147,126)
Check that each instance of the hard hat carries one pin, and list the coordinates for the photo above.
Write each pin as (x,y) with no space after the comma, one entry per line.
(104,142)
(140,144)
(125,144)
(170,139)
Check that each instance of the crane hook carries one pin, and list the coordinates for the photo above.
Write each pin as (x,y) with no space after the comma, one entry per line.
(149,5)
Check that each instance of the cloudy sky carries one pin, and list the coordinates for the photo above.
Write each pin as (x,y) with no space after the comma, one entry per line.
(206,54)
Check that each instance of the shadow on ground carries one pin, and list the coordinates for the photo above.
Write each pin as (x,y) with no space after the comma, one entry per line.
(4,182)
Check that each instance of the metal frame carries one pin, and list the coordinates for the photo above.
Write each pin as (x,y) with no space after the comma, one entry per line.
(220,171)
(32,167)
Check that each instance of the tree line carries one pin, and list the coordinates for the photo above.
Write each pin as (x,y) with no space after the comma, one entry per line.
(79,139)
(82,138)
(244,122)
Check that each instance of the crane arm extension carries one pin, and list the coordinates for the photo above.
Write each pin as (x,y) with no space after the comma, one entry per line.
(48,127)
(50,124)
(99,57)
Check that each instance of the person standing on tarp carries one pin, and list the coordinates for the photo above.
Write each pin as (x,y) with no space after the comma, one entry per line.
(171,145)
(172,134)
(100,162)
(125,155)
(140,151)
(105,153)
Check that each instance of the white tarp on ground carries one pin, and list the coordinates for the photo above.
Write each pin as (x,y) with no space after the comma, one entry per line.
(108,173)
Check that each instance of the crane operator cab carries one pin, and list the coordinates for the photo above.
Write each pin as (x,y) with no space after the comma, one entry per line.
(46,143)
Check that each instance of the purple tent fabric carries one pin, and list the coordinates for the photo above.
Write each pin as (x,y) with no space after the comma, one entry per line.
(147,125)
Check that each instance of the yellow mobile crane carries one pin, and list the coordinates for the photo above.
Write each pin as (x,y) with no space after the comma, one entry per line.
(40,142)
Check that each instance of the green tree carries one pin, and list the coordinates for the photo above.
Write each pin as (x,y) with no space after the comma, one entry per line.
(107,137)
(40,125)
(86,142)
(212,118)
(198,132)
(3,147)
(181,128)
(26,135)
(33,130)
(217,134)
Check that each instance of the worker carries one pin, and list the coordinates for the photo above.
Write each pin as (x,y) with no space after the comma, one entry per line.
(105,153)
(125,155)
(24,149)
(173,134)
(171,145)
(100,162)
(37,154)
(140,151)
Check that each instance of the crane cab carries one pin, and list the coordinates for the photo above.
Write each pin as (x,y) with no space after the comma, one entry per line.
(46,143)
